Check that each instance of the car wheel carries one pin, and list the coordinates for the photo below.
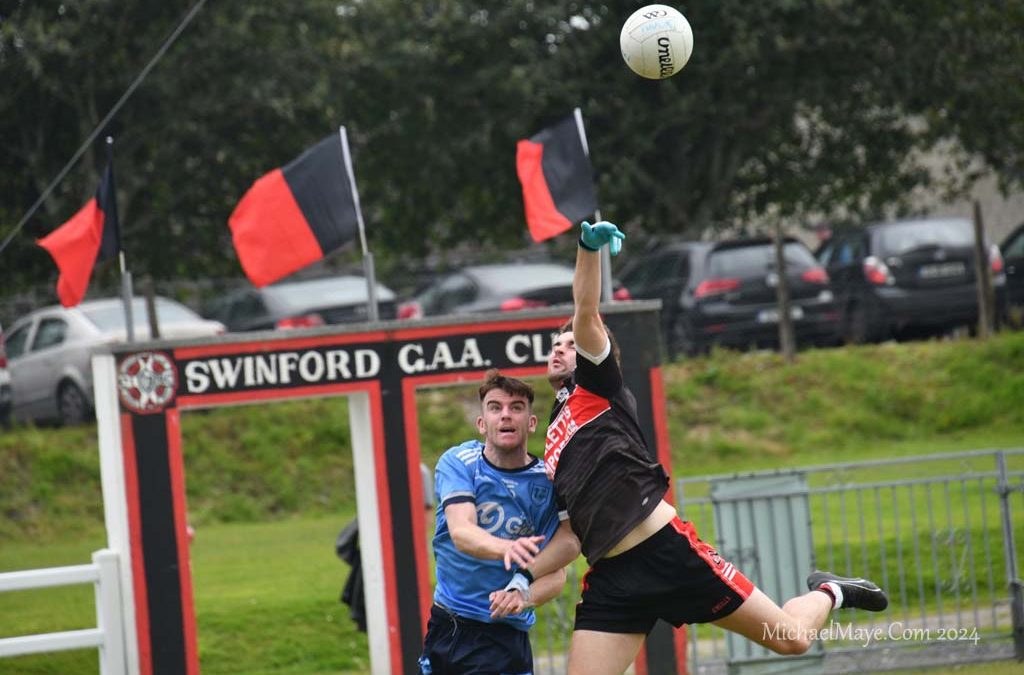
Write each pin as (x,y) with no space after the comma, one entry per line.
(683,341)
(72,406)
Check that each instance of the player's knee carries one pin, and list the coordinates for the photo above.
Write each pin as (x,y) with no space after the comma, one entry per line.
(792,647)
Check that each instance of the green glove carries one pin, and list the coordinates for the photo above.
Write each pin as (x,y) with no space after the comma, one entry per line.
(593,237)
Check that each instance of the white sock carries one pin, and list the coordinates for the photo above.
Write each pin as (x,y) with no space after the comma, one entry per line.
(836,591)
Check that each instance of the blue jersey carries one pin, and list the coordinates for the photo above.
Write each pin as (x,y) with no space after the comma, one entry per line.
(510,503)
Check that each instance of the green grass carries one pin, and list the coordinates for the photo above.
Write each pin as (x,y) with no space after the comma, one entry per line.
(270,486)
(266,598)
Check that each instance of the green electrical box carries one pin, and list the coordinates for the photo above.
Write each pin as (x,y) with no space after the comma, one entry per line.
(763,527)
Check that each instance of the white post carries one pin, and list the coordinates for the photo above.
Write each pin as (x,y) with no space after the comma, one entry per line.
(126,300)
(115,499)
(361,424)
(606,256)
(108,613)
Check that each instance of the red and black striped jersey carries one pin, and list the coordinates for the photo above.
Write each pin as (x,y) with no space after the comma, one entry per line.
(596,454)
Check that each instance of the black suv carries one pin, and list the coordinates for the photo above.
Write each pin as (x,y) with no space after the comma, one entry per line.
(894,277)
(725,293)
(1013,255)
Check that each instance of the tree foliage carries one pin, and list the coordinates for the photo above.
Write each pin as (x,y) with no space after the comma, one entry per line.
(788,109)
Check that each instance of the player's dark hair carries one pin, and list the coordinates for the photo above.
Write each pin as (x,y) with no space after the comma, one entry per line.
(493,379)
(567,327)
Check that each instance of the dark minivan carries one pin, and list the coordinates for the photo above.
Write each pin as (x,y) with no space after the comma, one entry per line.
(894,277)
(724,293)
(1013,256)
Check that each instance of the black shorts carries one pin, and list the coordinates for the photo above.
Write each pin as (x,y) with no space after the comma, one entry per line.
(457,646)
(671,575)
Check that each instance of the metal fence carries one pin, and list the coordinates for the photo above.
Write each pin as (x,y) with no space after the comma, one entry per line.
(935,531)
(938,532)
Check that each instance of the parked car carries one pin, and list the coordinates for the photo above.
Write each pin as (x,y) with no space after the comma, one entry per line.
(5,383)
(500,287)
(894,277)
(300,304)
(724,293)
(1012,250)
(49,352)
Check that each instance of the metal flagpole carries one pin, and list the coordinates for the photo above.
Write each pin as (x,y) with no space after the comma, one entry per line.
(126,276)
(606,256)
(371,280)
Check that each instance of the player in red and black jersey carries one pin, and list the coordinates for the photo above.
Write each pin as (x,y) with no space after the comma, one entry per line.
(646,564)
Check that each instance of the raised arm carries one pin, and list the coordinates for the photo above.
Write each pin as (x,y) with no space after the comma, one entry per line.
(587,327)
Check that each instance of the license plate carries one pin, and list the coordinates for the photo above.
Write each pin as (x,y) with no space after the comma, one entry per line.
(942,270)
(772,315)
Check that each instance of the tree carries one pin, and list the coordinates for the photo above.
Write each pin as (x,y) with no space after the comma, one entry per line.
(788,110)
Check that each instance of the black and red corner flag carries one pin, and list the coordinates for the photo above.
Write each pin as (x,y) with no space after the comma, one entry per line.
(558,183)
(294,216)
(91,236)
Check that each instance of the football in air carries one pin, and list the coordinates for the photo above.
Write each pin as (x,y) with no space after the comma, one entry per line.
(656,41)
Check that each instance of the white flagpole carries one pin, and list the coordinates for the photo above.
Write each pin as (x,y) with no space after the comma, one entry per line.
(371,280)
(606,256)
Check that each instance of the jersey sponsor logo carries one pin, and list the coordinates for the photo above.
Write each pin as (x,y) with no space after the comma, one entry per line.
(490,516)
(581,408)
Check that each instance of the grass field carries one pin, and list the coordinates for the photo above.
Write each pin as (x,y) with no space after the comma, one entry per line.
(269,487)
(266,601)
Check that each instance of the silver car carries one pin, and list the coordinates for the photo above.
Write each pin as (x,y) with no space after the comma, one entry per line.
(49,352)
(5,383)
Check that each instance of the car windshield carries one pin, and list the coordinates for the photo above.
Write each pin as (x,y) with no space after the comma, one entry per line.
(902,237)
(110,316)
(512,279)
(300,295)
(757,259)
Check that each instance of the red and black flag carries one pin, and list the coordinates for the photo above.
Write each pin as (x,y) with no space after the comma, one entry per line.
(92,235)
(294,216)
(558,184)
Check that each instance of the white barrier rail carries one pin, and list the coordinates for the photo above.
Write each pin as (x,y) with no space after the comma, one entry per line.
(108,636)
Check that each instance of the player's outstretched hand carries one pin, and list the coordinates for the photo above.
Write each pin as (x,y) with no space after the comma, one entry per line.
(597,235)
(506,603)
(521,551)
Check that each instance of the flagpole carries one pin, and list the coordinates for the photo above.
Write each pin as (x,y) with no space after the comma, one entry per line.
(606,257)
(103,123)
(368,271)
(126,276)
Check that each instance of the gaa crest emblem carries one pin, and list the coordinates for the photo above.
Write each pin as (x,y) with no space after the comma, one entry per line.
(540,494)
(146,381)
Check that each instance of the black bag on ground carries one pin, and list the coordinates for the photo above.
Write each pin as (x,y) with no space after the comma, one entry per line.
(346,546)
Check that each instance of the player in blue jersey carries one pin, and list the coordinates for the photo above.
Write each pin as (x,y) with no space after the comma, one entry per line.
(496,509)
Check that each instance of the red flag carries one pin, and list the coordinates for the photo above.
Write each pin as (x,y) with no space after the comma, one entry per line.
(92,235)
(294,216)
(558,186)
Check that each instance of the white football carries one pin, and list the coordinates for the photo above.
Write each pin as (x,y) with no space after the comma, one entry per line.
(656,41)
